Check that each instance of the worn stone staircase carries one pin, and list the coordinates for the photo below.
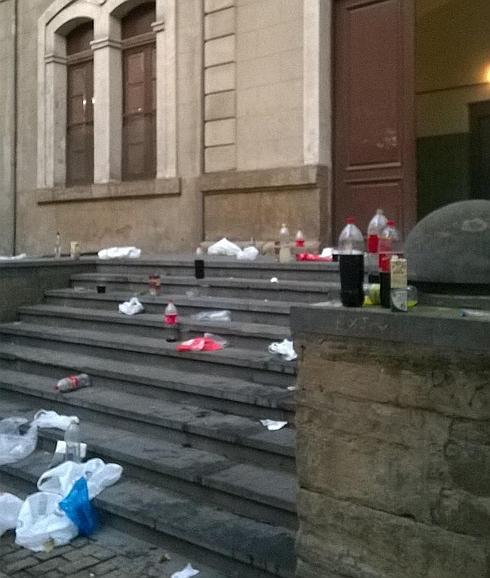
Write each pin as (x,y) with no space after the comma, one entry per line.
(202,475)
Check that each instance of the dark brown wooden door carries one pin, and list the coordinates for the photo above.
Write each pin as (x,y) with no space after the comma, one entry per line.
(480,149)
(374,123)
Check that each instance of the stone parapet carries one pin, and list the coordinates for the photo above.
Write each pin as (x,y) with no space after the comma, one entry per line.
(393,443)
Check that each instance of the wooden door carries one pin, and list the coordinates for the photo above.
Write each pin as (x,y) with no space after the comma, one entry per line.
(374,116)
(480,149)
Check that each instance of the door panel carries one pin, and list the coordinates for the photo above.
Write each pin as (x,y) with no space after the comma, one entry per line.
(480,149)
(374,111)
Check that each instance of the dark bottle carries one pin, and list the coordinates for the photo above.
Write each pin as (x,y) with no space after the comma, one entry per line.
(389,244)
(199,264)
(351,261)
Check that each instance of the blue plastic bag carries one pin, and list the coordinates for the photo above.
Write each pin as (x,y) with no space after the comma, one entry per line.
(78,508)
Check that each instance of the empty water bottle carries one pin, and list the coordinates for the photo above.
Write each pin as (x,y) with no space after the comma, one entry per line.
(73,382)
(170,320)
(72,441)
(284,246)
(57,246)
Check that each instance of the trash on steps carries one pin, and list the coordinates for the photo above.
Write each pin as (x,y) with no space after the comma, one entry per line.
(60,453)
(285,255)
(132,307)
(274,280)
(71,383)
(50,419)
(284,348)
(208,342)
(273,425)
(248,254)
(187,572)
(78,508)
(312,257)
(100,289)
(171,321)
(212,316)
(224,247)
(119,253)
(72,442)
(154,284)
(328,252)
(13,258)
(9,511)
(14,445)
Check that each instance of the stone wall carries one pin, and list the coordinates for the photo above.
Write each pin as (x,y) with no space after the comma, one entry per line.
(393,445)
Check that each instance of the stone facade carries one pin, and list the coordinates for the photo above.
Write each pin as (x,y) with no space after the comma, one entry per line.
(393,438)
(237,101)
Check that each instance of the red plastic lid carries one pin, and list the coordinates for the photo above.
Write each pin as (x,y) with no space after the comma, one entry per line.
(350,220)
(390,223)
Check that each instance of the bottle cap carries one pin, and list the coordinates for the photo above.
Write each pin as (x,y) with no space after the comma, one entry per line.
(350,220)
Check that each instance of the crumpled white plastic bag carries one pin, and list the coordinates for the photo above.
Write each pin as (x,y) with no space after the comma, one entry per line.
(119,253)
(131,307)
(41,522)
(9,511)
(248,254)
(187,572)
(14,257)
(212,316)
(285,349)
(273,425)
(15,446)
(224,247)
(99,475)
(50,419)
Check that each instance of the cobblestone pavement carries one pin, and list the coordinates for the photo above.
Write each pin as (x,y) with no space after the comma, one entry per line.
(109,554)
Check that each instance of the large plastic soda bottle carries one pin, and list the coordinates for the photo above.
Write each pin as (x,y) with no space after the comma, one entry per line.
(375,227)
(72,382)
(170,320)
(284,247)
(389,244)
(72,441)
(351,260)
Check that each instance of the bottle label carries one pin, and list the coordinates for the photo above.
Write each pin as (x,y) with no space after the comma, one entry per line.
(373,243)
(300,243)
(74,382)
(170,320)
(384,262)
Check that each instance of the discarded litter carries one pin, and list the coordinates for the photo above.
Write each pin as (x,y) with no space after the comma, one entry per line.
(208,342)
(119,253)
(292,388)
(187,572)
(248,254)
(72,442)
(41,522)
(131,307)
(475,313)
(78,508)
(13,258)
(59,455)
(312,257)
(212,316)
(154,284)
(285,349)
(328,252)
(9,511)
(274,280)
(51,419)
(171,322)
(224,247)
(14,445)
(73,382)
(272,425)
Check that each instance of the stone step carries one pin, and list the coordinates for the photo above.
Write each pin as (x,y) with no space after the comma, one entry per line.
(237,438)
(244,489)
(249,311)
(225,394)
(244,288)
(256,366)
(262,268)
(238,333)
(239,547)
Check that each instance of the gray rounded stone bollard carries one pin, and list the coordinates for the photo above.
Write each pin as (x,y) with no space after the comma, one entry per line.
(452,245)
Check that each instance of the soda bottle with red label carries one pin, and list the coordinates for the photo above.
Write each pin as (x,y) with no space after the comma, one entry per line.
(170,320)
(375,227)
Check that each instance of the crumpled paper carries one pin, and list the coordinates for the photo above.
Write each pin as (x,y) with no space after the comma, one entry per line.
(285,349)
(131,307)
(273,425)
(187,572)
(119,253)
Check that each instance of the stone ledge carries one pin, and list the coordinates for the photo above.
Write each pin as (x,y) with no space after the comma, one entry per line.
(113,191)
(435,326)
(278,178)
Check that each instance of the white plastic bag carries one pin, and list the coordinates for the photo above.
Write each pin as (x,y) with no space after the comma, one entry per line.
(224,247)
(285,349)
(42,522)
(99,475)
(131,307)
(212,316)
(119,253)
(273,425)
(187,572)
(9,512)
(248,254)
(14,257)
(15,446)
(51,419)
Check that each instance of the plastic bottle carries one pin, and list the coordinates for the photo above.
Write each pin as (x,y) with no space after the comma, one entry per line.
(171,321)
(154,283)
(300,240)
(389,244)
(72,441)
(351,260)
(284,247)
(73,382)
(199,264)
(57,246)
(375,227)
